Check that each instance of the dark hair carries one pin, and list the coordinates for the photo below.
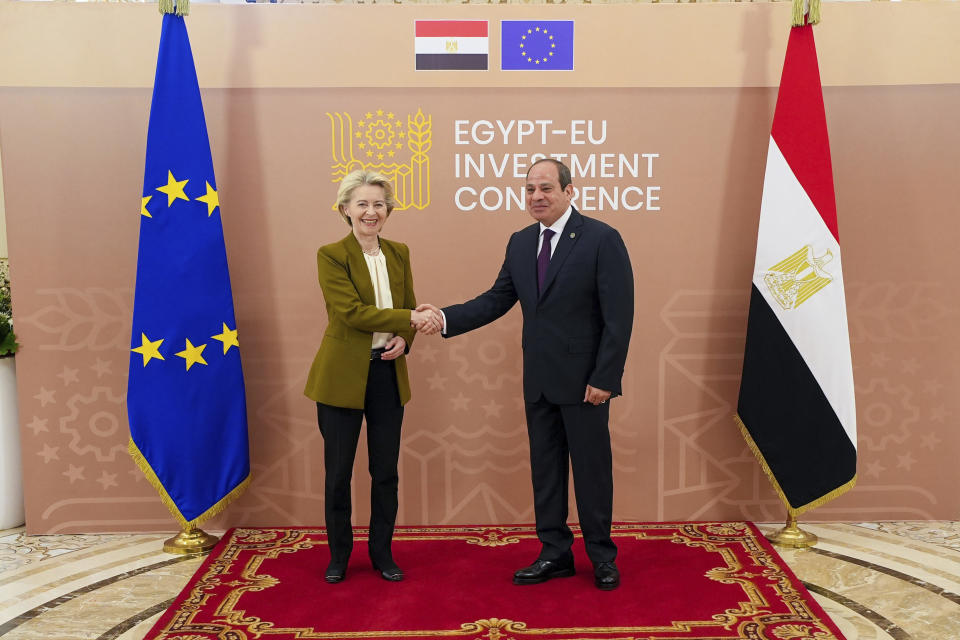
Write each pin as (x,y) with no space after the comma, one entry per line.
(563,171)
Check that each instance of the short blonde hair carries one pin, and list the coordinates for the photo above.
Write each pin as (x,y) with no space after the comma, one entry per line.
(359,178)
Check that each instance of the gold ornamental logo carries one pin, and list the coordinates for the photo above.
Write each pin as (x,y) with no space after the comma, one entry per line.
(393,144)
(794,280)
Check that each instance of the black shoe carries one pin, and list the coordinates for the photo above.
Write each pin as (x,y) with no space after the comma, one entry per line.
(336,572)
(388,570)
(606,576)
(543,570)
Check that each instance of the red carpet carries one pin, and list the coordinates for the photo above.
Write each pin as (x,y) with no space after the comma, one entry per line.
(679,580)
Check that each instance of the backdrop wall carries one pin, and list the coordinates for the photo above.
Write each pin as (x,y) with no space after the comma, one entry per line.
(666,119)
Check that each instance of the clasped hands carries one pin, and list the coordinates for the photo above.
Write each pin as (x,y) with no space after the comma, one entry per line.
(426,319)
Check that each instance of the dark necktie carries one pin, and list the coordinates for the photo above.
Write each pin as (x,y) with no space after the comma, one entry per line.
(543,260)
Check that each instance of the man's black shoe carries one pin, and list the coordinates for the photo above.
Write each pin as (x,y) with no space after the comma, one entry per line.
(543,570)
(606,576)
(336,572)
(388,570)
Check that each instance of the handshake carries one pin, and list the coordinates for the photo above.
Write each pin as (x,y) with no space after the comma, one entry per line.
(426,319)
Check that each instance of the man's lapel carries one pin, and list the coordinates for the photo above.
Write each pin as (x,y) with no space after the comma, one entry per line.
(359,272)
(526,253)
(565,243)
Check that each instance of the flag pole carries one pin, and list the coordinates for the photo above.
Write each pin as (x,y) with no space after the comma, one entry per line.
(161,420)
(177,7)
(792,536)
(191,541)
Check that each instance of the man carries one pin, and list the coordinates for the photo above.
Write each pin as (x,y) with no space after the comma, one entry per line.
(573,278)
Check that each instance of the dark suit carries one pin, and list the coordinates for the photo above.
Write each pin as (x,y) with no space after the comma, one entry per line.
(575,333)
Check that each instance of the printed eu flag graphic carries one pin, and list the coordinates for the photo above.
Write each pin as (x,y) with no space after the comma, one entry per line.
(536,44)
(185,395)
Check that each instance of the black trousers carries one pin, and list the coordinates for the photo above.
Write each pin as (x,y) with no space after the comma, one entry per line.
(340,428)
(561,435)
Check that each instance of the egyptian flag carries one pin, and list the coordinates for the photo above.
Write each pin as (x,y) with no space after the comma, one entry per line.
(450,45)
(796,407)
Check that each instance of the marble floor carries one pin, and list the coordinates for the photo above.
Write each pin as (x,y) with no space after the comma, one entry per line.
(878,581)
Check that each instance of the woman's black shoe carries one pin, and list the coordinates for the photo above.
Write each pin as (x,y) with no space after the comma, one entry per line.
(335,573)
(389,571)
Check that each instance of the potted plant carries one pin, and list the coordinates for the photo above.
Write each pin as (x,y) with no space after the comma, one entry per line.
(8,341)
(11,477)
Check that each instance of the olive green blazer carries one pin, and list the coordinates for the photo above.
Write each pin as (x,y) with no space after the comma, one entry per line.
(338,376)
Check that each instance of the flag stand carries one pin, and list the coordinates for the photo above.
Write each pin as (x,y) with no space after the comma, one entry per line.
(192,541)
(792,536)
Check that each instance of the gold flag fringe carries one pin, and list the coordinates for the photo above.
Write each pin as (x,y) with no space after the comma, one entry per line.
(797,18)
(179,7)
(794,511)
(185,524)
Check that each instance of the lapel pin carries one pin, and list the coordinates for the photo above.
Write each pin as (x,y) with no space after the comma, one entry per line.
(573,235)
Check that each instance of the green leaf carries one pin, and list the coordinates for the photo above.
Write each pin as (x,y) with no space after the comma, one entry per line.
(8,346)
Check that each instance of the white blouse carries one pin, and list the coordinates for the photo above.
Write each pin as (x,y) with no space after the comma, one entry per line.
(377,265)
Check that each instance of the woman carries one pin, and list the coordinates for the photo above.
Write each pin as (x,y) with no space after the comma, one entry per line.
(360,369)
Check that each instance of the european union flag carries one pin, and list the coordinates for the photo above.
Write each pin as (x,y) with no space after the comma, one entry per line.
(536,44)
(185,394)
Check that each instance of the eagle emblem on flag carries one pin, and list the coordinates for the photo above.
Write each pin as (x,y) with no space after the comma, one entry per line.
(794,280)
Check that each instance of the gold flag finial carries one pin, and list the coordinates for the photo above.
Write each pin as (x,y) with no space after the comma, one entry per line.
(801,8)
(179,7)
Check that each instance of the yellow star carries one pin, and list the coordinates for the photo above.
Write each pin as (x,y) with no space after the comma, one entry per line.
(399,146)
(193,354)
(211,198)
(356,135)
(361,123)
(379,156)
(369,115)
(228,338)
(148,349)
(529,31)
(143,206)
(361,145)
(174,189)
(538,28)
(390,115)
(390,153)
(379,112)
(369,154)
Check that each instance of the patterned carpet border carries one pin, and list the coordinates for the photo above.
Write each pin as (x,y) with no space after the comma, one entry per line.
(689,580)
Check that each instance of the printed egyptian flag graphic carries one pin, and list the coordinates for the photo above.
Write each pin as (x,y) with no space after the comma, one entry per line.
(452,45)
(796,407)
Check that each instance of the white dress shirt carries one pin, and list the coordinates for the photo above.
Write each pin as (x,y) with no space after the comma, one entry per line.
(377,266)
(557,228)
